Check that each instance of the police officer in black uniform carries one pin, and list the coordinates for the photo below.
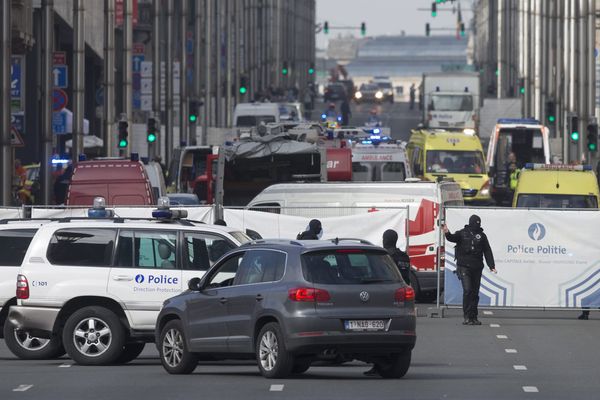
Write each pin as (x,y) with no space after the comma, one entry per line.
(313,232)
(390,238)
(471,247)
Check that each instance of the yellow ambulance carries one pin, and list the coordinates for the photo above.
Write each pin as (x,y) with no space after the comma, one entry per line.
(435,154)
(556,186)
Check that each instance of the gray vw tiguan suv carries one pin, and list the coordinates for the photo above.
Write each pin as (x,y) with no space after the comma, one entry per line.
(289,303)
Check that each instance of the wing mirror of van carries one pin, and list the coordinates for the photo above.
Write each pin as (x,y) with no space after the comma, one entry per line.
(194,284)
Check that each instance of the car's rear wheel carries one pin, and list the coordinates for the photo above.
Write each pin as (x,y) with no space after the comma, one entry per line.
(94,336)
(28,347)
(174,354)
(274,361)
(395,366)
(130,352)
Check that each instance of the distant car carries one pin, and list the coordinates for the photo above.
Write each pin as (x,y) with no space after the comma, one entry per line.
(368,92)
(291,112)
(335,91)
(290,303)
(387,89)
(183,199)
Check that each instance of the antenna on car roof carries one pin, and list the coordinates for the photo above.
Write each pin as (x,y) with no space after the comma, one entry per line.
(336,241)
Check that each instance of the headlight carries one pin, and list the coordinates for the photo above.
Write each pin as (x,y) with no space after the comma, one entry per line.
(485,189)
(379,95)
(469,131)
(358,95)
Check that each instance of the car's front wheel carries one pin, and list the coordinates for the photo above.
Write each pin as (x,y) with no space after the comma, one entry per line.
(94,336)
(274,361)
(174,354)
(395,366)
(28,347)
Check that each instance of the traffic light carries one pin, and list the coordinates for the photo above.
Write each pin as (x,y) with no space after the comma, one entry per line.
(193,111)
(427,29)
(574,128)
(550,111)
(243,84)
(123,134)
(285,69)
(311,69)
(434,9)
(326,27)
(363,29)
(592,137)
(151,130)
(462,29)
(522,86)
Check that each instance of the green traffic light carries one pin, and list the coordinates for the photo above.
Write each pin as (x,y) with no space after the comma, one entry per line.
(522,90)
(551,118)
(243,90)
(592,147)
(284,71)
(151,138)
(122,143)
(434,13)
(575,136)
(311,71)
(193,118)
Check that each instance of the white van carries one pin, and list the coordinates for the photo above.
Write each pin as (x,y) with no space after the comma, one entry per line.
(424,200)
(252,114)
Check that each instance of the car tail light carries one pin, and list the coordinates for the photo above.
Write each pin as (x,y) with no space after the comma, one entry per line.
(403,294)
(308,295)
(22,287)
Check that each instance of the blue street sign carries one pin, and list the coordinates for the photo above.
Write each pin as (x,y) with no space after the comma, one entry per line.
(15,78)
(137,100)
(59,99)
(59,123)
(137,62)
(17,121)
(60,76)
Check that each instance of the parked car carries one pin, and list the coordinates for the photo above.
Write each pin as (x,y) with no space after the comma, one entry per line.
(290,303)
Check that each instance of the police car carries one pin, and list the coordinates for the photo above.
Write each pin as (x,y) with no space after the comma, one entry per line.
(97,284)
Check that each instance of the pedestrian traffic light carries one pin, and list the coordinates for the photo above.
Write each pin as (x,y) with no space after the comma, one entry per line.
(592,137)
(243,84)
(311,69)
(151,130)
(193,111)
(427,29)
(285,69)
(123,134)
(434,9)
(574,128)
(363,29)
(550,111)
(326,27)
(462,29)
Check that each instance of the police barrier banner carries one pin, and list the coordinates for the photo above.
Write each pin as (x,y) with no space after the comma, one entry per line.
(544,258)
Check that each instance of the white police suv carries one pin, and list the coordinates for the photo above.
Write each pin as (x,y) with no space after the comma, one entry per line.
(15,237)
(98,284)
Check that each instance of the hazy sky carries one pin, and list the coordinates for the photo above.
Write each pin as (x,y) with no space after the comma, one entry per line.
(387,17)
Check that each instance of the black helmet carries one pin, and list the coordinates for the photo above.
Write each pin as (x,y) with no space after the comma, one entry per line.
(475,221)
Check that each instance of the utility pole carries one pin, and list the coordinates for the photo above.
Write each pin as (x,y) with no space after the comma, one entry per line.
(169,83)
(109,76)
(154,148)
(219,74)
(46,132)
(183,96)
(207,78)
(127,71)
(79,79)
(229,44)
(197,70)
(5,117)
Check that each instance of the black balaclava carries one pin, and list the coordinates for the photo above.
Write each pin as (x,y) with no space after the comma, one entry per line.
(390,238)
(475,221)
(315,226)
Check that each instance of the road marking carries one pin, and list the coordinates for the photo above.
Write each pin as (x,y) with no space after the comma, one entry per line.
(65,365)
(488,313)
(510,350)
(530,389)
(22,388)
(520,367)
(276,388)
(502,336)
(494,325)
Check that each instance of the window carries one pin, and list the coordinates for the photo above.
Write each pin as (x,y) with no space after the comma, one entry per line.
(361,172)
(254,120)
(274,208)
(225,274)
(348,267)
(82,247)
(445,102)
(261,266)
(393,171)
(416,161)
(455,162)
(203,249)
(14,244)
(147,249)
(556,201)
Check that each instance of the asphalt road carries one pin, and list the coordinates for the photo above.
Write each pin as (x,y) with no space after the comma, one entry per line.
(397,116)
(513,355)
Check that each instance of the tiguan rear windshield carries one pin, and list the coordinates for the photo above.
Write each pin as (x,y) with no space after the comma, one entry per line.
(349,267)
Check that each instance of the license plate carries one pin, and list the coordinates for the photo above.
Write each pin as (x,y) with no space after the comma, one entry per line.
(365,325)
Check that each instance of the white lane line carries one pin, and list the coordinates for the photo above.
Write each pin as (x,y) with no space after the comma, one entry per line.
(22,388)
(510,350)
(65,365)
(520,367)
(488,313)
(494,325)
(530,389)
(276,388)
(502,336)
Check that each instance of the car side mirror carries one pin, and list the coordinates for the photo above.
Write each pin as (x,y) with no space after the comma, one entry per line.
(194,284)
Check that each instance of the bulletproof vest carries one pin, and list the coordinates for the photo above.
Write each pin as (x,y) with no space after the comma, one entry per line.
(470,243)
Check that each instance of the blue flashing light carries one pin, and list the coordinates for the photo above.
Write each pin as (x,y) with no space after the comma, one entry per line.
(366,142)
(339,118)
(375,137)
(60,161)
(323,116)
(99,213)
(376,130)
(587,167)
(82,157)
(529,166)
(162,214)
(524,121)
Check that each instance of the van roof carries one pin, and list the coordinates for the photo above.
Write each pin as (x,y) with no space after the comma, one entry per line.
(346,186)
(108,170)
(557,182)
(257,106)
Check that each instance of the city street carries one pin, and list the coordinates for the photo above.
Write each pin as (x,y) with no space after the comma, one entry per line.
(513,355)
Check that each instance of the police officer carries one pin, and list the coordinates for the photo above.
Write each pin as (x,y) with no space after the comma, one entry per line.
(314,231)
(471,247)
(390,238)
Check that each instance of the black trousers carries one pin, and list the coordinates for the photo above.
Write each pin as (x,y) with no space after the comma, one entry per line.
(471,280)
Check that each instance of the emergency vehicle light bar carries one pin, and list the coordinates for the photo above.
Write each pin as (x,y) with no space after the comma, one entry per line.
(519,121)
(557,167)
